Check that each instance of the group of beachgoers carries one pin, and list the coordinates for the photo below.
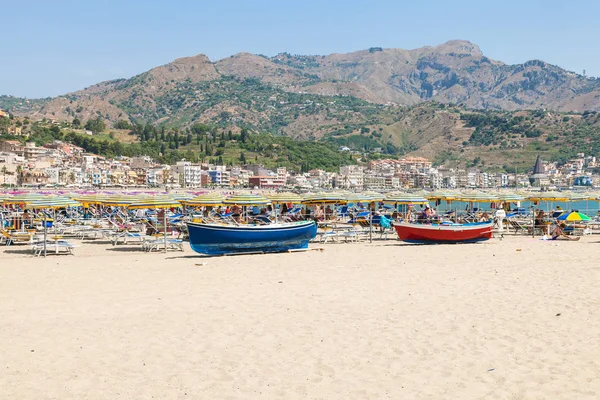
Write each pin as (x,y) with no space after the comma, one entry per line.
(553,229)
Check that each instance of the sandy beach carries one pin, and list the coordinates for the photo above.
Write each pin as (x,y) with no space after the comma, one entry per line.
(507,319)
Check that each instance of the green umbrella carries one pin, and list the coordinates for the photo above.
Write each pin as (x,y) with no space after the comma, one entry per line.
(404,198)
(246,199)
(205,200)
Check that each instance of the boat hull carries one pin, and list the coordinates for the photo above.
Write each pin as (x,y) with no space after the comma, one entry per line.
(434,233)
(215,239)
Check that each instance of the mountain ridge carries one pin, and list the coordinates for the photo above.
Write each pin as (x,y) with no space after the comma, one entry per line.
(363,98)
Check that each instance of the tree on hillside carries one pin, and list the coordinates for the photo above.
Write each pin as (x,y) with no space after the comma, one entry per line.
(76,123)
(242,158)
(244,135)
(95,125)
(122,124)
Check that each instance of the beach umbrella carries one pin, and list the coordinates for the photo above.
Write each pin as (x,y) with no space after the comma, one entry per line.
(548,196)
(285,197)
(574,216)
(510,197)
(442,195)
(155,202)
(325,198)
(117,201)
(358,198)
(204,200)
(375,196)
(53,202)
(477,197)
(404,198)
(246,199)
(24,198)
(573,196)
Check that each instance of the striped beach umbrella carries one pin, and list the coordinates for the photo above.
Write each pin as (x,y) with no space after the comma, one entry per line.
(246,199)
(375,196)
(574,216)
(477,197)
(285,198)
(117,201)
(510,197)
(354,198)
(404,198)
(574,196)
(442,195)
(54,202)
(24,198)
(325,198)
(153,202)
(204,200)
(548,196)
(87,199)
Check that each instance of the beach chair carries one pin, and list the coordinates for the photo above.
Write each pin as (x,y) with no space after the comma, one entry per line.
(157,243)
(519,227)
(355,234)
(53,247)
(10,238)
(362,218)
(126,235)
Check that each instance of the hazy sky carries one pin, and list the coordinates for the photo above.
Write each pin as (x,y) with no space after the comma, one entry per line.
(52,47)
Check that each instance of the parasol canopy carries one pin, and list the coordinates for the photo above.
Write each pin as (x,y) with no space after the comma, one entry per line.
(154,202)
(285,197)
(54,202)
(325,198)
(548,196)
(24,198)
(204,200)
(404,198)
(246,199)
(574,216)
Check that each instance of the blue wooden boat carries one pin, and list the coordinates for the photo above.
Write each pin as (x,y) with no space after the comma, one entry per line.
(217,239)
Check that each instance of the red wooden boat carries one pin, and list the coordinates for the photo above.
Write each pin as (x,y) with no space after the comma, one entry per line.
(444,233)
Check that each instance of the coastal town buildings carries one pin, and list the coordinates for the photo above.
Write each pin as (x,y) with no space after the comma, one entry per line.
(63,164)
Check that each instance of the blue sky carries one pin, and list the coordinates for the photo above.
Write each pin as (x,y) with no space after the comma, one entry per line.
(54,47)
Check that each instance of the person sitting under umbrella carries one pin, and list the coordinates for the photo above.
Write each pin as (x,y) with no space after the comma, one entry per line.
(559,233)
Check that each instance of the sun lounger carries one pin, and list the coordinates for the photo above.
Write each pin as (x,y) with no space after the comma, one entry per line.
(53,247)
(10,238)
(158,243)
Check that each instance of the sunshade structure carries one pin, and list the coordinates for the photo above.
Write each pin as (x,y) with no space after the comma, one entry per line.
(548,196)
(153,202)
(285,198)
(404,198)
(359,198)
(325,198)
(117,201)
(246,199)
(204,200)
(87,199)
(375,196)
(573,196)
(54,202)
(477,197)
(24,198)
(442,195)
(510,197)
(156,202)
(574,216)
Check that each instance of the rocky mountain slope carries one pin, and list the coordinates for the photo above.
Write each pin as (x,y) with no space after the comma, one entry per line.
(386,99)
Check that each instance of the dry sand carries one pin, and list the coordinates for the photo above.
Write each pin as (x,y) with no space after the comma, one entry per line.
(356,321)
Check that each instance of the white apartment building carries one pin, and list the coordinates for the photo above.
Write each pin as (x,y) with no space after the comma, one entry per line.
(187,174)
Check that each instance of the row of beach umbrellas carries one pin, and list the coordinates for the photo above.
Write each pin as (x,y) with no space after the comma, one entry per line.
(243,199)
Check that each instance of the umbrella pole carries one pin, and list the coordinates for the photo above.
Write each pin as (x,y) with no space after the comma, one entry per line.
(165,229)
(45,234)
